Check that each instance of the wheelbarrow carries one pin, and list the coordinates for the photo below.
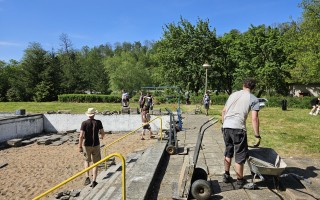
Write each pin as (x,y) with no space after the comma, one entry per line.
(265,161)
(193,180)
(172,133)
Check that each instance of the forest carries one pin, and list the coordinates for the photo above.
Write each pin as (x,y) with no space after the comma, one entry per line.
(276,56)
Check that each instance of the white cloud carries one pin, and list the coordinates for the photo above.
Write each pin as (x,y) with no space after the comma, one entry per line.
(4,43)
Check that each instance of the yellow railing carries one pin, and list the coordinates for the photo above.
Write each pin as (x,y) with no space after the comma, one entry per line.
(108,145)
(87,169)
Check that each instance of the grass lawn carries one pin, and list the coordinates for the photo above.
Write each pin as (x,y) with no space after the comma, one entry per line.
(290,133)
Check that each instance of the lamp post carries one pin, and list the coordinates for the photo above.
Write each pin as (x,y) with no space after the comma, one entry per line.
(206,66)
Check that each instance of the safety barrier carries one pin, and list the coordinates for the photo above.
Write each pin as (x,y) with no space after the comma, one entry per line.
(108,145)
(87,169)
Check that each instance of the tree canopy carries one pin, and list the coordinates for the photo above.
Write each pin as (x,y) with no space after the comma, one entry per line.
(276,56)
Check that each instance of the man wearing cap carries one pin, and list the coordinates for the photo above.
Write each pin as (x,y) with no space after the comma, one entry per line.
(89,143)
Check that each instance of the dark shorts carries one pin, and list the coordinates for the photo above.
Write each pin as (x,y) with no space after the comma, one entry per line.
(141,105)
(147,126)
(236,143)
(206,106)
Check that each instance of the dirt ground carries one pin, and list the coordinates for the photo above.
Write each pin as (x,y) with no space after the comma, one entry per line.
(34,169)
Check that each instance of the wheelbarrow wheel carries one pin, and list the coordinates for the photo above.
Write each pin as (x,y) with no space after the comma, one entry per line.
(170,149)
(201,189)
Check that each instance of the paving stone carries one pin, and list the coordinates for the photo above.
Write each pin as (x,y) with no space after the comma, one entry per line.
(71,131)
(26,142)
(54,138)
(44,142)
(15,142)
(57,143)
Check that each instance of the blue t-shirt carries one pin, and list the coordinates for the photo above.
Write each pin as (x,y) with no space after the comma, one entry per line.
(206,99)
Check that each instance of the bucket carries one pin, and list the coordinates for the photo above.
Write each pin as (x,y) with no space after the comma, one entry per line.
(21,112)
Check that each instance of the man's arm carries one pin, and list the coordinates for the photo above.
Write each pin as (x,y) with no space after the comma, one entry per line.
(255,123)
(222,114)
(102,133)
(81,136)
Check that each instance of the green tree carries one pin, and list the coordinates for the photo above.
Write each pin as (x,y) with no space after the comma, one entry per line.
(182,51)
(16,91)
(33,64)
(4,83)
(49,87)
(95,75)
(228,60)
(306,44)
(129,68)
(263,56)
(73,71)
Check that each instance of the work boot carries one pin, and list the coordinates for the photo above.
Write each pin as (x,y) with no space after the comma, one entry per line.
(87,181)
(240,183)
(227,178)
(94,183)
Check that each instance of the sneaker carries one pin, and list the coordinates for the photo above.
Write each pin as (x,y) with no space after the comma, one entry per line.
(314,114)
(87,181)
(310,113)
(227,178)
(240,183)
(93,184)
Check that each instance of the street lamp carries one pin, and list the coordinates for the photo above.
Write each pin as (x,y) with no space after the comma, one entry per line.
(206,66)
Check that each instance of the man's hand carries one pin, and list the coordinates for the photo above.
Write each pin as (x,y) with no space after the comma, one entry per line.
(80,149)
(258,140)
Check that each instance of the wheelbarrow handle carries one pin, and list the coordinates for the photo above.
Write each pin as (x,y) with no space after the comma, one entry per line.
(200,131)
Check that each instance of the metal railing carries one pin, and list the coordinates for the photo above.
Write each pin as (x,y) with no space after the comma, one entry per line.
(108,145)
(87,169)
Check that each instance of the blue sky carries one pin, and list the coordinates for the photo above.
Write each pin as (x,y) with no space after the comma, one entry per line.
(97,22)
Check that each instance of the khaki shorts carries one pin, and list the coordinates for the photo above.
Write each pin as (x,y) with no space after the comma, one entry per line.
(92,153)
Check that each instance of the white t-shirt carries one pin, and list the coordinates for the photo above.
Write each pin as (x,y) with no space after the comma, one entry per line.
(238,106)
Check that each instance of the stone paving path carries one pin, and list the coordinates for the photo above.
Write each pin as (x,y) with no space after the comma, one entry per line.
(211,159)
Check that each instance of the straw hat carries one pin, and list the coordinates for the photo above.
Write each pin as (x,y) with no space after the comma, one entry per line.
(91,112)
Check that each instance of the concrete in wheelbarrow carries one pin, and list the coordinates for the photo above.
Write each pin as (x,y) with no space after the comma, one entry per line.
(211,158)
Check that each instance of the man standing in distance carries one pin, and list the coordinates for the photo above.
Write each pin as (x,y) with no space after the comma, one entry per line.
(89,143)
(234,115)
(315,106)
(141,101)
(206,101)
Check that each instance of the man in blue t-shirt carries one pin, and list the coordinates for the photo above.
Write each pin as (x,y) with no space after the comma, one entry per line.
(206,102)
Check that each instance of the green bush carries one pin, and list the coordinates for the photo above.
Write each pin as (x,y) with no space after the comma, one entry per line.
(89,98)
(292,102)
(273,101)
